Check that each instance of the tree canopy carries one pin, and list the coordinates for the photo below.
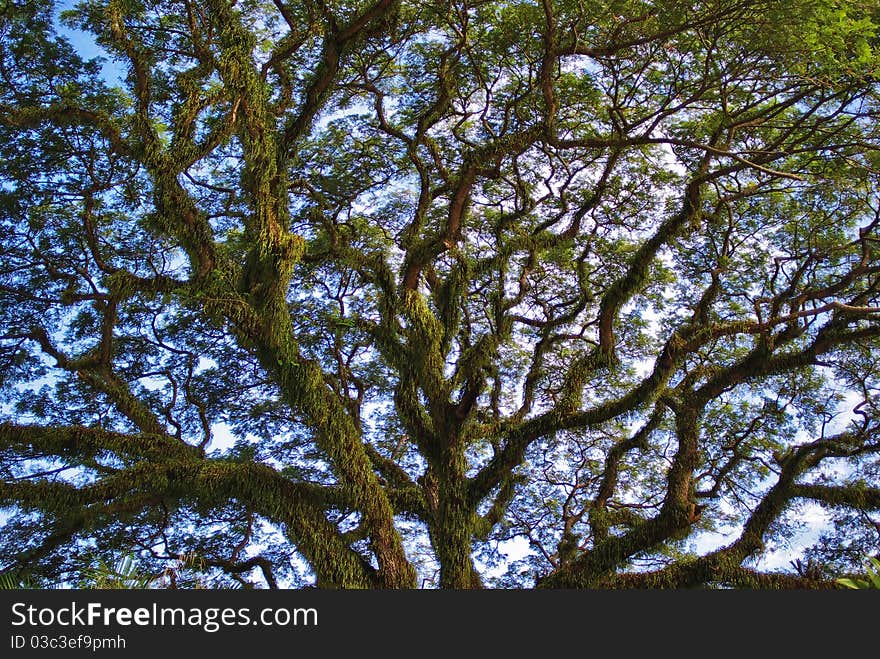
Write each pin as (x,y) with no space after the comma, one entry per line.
(369,294)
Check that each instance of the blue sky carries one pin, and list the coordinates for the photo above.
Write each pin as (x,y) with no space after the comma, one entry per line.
(85,44)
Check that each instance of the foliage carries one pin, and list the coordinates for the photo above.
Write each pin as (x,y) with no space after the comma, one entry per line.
(8,581)
(471,293)
(123,575)
(871,580)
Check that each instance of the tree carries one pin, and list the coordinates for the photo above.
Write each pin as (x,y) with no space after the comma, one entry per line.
(601,276)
